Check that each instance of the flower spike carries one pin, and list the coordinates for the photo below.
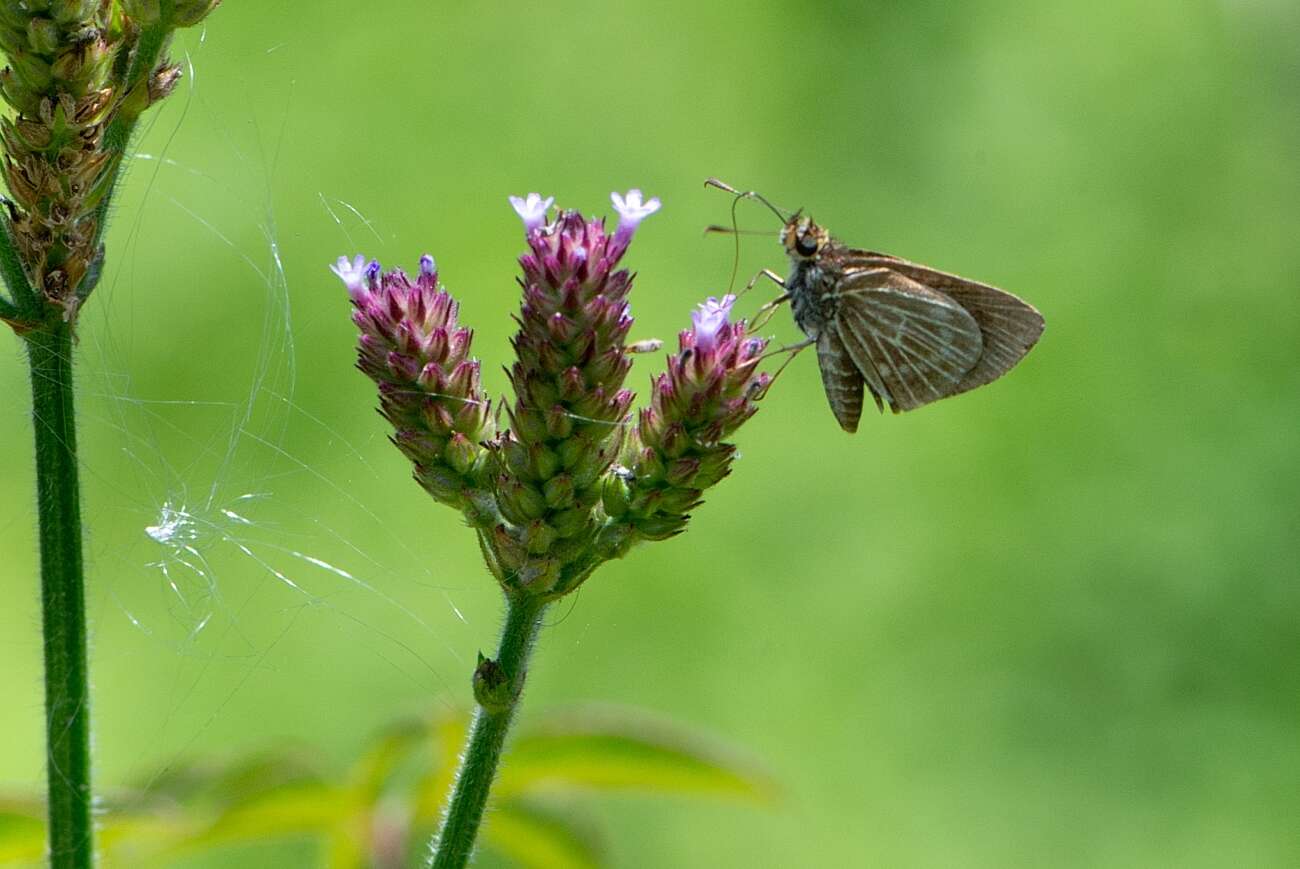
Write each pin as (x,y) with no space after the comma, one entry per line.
(413,348)
(678,450)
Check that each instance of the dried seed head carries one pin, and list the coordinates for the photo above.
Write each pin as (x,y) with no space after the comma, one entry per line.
(68,76)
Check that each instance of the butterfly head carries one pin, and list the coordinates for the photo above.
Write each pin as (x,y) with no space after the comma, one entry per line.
(803,239)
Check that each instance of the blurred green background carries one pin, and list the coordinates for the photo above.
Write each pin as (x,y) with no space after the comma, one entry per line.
(1052,622)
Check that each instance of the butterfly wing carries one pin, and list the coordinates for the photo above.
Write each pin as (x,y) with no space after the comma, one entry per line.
(1010,326)
(913,345)
(841,379)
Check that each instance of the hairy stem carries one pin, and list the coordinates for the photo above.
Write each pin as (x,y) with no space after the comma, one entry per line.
(11,270)
(455,841)
(63,605)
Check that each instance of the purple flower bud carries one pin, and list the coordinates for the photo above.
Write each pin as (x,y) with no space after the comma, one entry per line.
(709,319)
(532,210)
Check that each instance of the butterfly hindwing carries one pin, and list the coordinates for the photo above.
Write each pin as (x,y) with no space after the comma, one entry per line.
(1009,326)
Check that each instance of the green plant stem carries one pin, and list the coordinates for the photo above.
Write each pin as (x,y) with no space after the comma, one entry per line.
(63,603)
(455,841)
(11,269)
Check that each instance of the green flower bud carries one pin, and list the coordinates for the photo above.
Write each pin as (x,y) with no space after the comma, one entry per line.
(614,496)
(33,72)
(559,423)
(660,527)
(510,552)
(187,13)
(492,689)
(539,537)
(558,492)
(682,471)
(520,502)
(544,462)
(73,11)
(461,453)
(650,468)
(536,576)
(573,450)
(615,540)
(142,12)
(17,94)
(43,35)
(529,424)
(568,523)
(440,481)
(514,456)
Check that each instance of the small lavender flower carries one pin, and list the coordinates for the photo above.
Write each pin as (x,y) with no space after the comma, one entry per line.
(353,275)
(570,408)
(631,211)
(413,348)
(677,451)
(532,209)
(709,319)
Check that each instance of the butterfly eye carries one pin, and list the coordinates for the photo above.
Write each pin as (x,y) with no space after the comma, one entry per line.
(805,245)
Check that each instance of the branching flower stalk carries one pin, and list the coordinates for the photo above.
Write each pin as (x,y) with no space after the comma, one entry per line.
(572,481)
(80,73)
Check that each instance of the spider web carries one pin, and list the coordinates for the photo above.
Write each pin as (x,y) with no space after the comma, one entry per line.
(227,532)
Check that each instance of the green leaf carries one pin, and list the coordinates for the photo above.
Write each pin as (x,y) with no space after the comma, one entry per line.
(447,733)
(394,744)
(345,850)
(132,839)
(538,839)
(605,749)
(223,783)
(309,809)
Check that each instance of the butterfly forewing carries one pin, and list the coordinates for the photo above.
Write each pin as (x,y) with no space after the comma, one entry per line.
(912,344)
(1010,326)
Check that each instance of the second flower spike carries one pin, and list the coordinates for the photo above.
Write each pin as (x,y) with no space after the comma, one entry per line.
(570,407)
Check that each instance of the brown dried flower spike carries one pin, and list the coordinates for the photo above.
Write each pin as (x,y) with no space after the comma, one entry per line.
(80,72)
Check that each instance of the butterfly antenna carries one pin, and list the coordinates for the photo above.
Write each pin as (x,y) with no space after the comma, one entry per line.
(746,194)
(735,227)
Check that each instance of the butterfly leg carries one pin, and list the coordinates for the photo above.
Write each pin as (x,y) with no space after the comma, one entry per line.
(763,273)
(763,314)
(793,350)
